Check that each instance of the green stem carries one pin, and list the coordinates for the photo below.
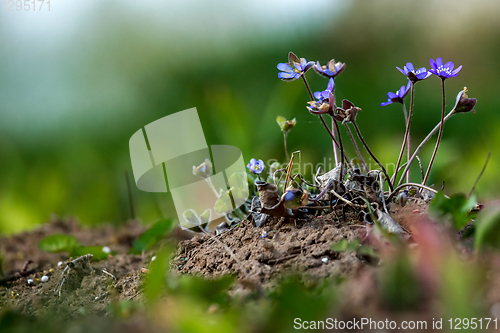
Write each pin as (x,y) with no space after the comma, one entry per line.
(407,131)
(286,149)
(439,136)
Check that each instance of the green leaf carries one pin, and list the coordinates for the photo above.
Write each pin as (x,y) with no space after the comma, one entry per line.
(58,243)
(211,291)
(284,124)
(153,235)
(205,217)
(239,187)
(340,246)
(456,208)
(353,246)
(366,250)
(96,251)
(224,204)
(488,229)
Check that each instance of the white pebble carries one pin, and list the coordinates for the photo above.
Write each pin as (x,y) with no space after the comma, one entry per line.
(60,263)
(153,258)
(30,281)
(45,278)
(106,249)
(325,260)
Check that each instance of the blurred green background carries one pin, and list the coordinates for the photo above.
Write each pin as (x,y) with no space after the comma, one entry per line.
(78,81)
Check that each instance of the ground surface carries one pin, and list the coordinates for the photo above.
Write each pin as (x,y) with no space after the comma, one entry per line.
(258,257)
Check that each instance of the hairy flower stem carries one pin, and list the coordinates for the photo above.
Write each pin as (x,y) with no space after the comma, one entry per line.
(286,149)
(356,146)
(341,152)
(408,148)
(371,154)
(439,136)
(335,143)
(424,141)
(333,138)
(405,140)
(335,153)
(307,86)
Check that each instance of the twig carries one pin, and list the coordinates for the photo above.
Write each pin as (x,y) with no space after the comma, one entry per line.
(347,201)
(413,184)
(382,189)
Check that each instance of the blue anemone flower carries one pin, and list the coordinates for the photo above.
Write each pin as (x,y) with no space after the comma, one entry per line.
(414,75)
(325,93)
(398,96)
(255,166)
(443,71)
(294,68)
(331,70)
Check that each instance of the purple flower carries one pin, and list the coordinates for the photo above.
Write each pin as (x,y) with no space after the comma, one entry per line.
(398,96)
(443,71)
(414,75)
(322,105)
(325,93)
(294,68)
(331,70)
(255,166)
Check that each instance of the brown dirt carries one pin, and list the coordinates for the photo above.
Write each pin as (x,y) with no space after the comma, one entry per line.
(88,294)
(258,255)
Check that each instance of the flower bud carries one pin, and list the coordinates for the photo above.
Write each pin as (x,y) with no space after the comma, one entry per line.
(463,103)
(204,170)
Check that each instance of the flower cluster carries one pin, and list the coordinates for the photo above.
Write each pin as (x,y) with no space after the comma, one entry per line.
(444,71)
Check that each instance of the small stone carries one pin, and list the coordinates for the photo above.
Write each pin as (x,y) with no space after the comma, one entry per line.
(153,258)
(264,234)
(60,263)
(106,249)
(30,281)
(325,260)
(45,278)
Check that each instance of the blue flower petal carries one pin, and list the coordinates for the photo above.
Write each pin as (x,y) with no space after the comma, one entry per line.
(284,67)
(439,62)
(455,72)
(410,67)
(331,85)
(285,75)
(399,69)
(386,103)
(449,65)
(433,64)
(391,95)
